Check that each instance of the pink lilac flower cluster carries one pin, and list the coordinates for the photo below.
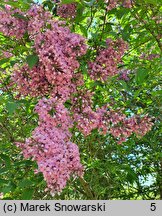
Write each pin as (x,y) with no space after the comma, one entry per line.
(30,81)
(105,64)
(56,157)
(87,120)
(107,120)
(124,75)
(120,126)
(67,10)
(52,110)
(115,3)
(58,55)
(138,125)
(37,20)
(6,54)
(58,50)
(83,114)
(56,75)
(11,24)
(149,57)
(50,146)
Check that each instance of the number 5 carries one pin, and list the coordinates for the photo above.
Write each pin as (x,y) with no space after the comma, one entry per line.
(153,207)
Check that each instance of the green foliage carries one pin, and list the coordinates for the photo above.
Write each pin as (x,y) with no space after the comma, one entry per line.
(23,4)
(32,60)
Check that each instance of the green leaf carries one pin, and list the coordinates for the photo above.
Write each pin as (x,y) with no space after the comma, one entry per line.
(157,93)
(2,6)
(108,27)
(11,107)
(141,75)
(83,30)
(67,1)
(20,49)
(9,188)
(4,60)
(2,99)
(7,198)
(6,159)
(23,4)
(23,163)
(32,60)
(17,15)
(120,13)
(25,183)
(3,170)
(131,175)
(123,84)
(27,194)
(48,4)
(3,181)
(155,2)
